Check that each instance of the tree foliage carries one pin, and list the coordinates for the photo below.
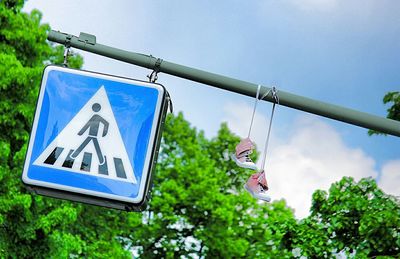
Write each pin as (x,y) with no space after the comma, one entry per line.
(356,218)
(392,98)
(198,207)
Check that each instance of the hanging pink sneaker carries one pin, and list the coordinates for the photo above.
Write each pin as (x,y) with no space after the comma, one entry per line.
(257,186)
(241,156)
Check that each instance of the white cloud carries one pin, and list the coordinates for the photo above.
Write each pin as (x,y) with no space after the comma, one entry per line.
(390,179)
(312,157)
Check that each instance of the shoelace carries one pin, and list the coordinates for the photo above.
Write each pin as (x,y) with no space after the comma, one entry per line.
(248,159)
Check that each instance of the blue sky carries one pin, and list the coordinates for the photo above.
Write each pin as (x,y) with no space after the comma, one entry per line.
(342,52)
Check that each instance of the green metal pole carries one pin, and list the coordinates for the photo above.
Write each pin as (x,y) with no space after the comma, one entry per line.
(87,42)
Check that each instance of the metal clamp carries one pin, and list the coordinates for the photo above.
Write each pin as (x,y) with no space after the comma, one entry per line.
(274,95)
(87,38)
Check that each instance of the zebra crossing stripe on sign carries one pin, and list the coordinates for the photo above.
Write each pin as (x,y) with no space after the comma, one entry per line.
(90,144)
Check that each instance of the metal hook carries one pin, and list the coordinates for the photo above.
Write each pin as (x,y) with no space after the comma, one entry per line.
(154,74)
(66,54)
(275,95)
(67,45)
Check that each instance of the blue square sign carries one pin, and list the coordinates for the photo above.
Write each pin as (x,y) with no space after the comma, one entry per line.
(94,138)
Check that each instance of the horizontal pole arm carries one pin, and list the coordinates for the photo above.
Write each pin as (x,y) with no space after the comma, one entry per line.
(87,42)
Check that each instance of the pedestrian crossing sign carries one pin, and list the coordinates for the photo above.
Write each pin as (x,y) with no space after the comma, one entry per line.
(95,138)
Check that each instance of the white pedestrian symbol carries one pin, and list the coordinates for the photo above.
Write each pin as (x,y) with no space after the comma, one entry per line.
(93,126)
(93,130)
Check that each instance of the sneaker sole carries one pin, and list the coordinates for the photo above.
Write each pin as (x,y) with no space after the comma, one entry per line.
(255,195)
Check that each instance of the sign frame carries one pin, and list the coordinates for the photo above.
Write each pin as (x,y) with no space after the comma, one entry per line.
(65,191)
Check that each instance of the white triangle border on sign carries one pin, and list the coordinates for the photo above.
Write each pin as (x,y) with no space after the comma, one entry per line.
(68,139)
